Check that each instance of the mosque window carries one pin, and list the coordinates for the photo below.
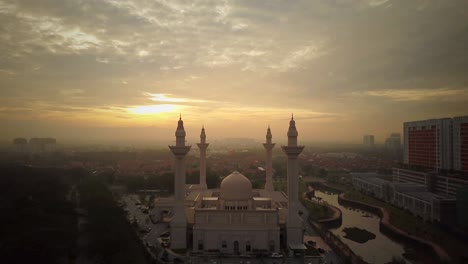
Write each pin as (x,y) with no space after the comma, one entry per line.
(247,246)
(224,244)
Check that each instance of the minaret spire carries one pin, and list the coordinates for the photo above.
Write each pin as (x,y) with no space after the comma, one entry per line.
(203,146)
(179,220)
(292,150)
(268,161)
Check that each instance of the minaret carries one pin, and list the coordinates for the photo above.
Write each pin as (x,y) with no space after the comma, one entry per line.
(179,220)
(203,146)
(292,150)
(269,172)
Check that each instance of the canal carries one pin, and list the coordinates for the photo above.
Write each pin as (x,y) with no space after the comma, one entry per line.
(381,249)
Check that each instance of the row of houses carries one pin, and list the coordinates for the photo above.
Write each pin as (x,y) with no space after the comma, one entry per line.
(413,197)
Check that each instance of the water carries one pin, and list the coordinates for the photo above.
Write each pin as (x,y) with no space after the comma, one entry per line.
(378,250)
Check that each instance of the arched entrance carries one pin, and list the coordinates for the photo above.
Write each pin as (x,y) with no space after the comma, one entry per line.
(236,247)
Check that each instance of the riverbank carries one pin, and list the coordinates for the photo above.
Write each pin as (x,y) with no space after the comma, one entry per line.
(386,228)
(338,246)
(387,218)
(394,232)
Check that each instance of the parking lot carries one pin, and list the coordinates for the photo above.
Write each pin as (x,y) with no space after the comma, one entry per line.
(149,232)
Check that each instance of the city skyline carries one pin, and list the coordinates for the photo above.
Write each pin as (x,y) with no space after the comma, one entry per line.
(123,69)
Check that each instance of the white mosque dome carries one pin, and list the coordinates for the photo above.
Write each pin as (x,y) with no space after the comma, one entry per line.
(236,186)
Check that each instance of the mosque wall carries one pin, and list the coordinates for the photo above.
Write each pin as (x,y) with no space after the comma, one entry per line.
(236,241)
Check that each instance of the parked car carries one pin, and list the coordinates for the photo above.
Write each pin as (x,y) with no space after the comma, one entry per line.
(276,255)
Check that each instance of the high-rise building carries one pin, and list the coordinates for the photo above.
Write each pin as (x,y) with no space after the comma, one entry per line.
(393,142)
(20,144)
(42,144)
(368,140)
(460,143)
(428,144)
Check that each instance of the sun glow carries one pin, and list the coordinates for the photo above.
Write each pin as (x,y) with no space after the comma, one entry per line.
(153,109)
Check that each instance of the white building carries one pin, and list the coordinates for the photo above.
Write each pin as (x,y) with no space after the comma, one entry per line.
(410,196)
(234,219)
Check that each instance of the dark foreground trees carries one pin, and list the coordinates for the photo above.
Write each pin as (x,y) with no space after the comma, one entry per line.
(38,222)
(110,238)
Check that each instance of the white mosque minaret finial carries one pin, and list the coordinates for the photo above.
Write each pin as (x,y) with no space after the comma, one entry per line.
(180,132)
(292,132)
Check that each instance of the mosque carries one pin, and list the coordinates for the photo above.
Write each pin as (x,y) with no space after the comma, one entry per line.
(235,219)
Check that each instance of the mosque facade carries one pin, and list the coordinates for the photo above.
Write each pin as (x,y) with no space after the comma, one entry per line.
(235,218)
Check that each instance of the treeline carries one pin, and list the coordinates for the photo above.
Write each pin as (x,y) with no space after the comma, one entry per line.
(165,181)
(38,223)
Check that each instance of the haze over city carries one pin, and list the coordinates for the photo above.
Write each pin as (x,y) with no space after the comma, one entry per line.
(126,69)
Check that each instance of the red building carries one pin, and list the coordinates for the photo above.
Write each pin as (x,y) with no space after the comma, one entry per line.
(428,144)
(422,146)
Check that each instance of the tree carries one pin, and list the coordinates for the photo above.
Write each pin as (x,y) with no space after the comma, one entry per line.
(194,177)
(212,179)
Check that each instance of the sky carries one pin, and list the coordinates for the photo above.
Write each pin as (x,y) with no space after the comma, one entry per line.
(125,69)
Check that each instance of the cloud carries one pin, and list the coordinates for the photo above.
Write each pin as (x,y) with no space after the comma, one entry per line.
(377,2)
(168,98)
(420,94)
(223,57)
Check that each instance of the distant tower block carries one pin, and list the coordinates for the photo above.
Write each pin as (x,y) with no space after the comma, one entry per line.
(179,220)
(203,146)
(294,229)
(268,162)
